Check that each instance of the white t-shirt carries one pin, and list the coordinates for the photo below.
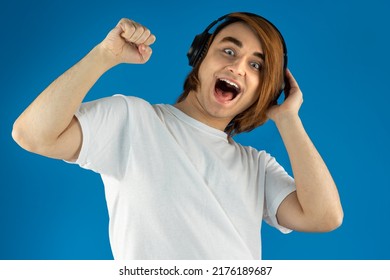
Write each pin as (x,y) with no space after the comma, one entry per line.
(175,187)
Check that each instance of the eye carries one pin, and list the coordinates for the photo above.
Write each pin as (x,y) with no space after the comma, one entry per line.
(229,52)
(256,65)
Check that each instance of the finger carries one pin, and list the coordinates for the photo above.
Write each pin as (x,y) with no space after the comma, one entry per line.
(126,25)
(137,34)
(143,37)
(132,31)
(294,87)
(293,83)
(128,28)
(145,52)
(150,40)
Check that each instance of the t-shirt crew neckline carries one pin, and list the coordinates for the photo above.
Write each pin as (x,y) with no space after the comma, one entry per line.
(193,122)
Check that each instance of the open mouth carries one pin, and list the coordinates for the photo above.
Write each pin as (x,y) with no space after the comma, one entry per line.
(226,90)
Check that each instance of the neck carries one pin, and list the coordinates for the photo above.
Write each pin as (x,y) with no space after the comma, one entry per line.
(193,108)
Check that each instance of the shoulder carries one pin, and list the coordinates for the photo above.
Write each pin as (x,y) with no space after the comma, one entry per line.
(118,99)
(116,104)
(253,152)
(131,101)
(257,158)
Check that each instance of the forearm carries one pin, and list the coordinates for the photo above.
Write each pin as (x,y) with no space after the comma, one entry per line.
(316,190)
(52,111)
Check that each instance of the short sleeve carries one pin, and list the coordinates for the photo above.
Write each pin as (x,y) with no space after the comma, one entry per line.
(278,185)
(106,133)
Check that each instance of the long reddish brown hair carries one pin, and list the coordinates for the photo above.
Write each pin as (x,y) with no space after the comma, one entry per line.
(271,75)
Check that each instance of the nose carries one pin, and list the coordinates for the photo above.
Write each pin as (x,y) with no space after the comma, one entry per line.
(237,67)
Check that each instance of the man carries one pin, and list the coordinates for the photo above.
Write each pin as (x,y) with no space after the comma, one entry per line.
(177,185)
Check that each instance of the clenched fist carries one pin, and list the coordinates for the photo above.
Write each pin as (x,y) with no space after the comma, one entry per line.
(129,42)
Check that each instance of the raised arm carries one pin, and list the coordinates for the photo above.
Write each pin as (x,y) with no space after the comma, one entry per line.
(315,206)
(48,126)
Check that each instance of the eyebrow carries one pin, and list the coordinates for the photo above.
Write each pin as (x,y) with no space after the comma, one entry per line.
(239,44)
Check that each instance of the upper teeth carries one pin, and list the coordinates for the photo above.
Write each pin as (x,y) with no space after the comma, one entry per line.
(231,83)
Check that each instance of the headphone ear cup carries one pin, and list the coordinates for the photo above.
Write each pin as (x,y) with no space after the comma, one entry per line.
(286,88)
(198,48)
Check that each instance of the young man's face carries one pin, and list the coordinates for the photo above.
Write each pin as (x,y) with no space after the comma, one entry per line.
(229,74)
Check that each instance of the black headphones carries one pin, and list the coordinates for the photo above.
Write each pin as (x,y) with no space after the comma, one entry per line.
(199,45)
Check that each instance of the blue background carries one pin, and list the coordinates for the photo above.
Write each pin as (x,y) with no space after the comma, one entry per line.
(338,52)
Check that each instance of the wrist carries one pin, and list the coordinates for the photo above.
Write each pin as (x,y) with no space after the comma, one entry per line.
(104,58)
(287,120)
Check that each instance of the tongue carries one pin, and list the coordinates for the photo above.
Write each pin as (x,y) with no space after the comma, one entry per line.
(223,96)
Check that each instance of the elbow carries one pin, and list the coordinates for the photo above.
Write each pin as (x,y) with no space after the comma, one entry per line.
(22,138)
(17,135)
(33,141)
(336,216)
(336,223)
(332,221)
